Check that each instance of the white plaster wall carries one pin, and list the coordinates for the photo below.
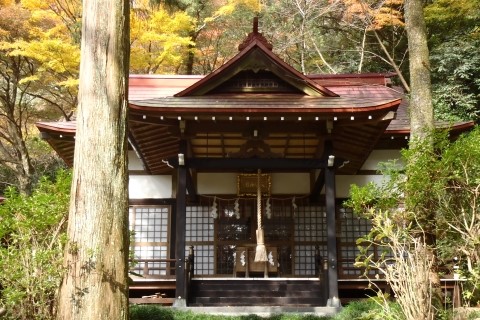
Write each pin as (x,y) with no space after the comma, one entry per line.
(226,183)
(290,183)
(157,187)
(144,186)
(150,187)
(134,163)
(380,156)
(343,183)
(217,183)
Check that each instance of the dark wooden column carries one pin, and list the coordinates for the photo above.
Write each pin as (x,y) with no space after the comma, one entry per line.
(333,299)
(181,210)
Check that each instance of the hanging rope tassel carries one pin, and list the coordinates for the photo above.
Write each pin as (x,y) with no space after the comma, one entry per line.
(261,250)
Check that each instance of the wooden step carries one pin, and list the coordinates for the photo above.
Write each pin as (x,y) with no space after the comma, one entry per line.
(257,301)
(163,288)
(257,293)
(160,300)
(234,292)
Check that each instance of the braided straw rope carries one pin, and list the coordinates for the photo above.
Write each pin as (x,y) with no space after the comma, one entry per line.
(261,250)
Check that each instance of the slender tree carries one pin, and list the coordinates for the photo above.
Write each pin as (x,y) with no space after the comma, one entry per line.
(95,283)
(421,109)
(418,194)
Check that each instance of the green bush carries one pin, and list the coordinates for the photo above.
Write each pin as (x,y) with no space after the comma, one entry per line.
(153,312)
(474,315)
(368,309)
(32,236)
(150,312)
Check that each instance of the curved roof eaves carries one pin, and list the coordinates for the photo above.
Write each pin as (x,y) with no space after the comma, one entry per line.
(265,103)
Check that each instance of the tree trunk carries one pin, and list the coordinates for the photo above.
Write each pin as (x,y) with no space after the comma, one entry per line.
(421,109)
(421,126)
(96,257)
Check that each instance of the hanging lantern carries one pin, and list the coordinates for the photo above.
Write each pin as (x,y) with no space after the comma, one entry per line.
(294,205)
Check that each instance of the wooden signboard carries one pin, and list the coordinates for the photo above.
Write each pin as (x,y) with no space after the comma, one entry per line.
(247,184)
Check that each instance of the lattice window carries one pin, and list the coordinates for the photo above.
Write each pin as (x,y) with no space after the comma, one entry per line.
(234,226)
(204,259)
(150,224)
(284,260)
(279,226)
(150,227)
(225,261)
(154,253)
(200,235)
(309,233)
(351,228)
(310,224)
(199,224)
(304,260)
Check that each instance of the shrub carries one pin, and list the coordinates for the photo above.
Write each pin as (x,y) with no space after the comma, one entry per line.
(150,312)
(154,312)
(367,309)
(32,239)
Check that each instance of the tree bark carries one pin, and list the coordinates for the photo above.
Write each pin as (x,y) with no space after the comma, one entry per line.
(421,127)
(96,257)
(421,109)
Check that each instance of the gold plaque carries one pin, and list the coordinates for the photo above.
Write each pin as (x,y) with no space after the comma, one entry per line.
(247,184)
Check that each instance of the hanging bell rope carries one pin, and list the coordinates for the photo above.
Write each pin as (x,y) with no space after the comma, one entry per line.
(260,251)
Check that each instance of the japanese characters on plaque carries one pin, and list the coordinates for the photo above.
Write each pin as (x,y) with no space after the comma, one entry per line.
(247,184)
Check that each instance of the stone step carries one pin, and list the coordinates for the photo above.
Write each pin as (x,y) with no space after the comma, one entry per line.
(263,311)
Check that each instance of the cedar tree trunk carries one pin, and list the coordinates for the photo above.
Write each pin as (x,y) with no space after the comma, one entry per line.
(96,257)
(421,126)
(421,109)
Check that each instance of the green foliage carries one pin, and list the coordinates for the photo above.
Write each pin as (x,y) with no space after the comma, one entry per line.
(439,195)
(368,309)
(32,240)
(457,210)
(474,315)
(150,312)
(455,60)
(448,19)
(456,86)
(153,312)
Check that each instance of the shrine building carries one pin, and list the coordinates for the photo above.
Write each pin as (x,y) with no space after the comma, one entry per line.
(253,155)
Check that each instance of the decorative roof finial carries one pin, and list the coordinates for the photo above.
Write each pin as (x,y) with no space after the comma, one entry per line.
(255,35)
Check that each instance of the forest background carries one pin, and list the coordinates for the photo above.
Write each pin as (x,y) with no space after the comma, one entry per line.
(40,55)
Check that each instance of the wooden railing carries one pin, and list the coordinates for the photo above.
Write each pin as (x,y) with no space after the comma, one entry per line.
(189,270)
(162,269)
(154,268)
(321,270)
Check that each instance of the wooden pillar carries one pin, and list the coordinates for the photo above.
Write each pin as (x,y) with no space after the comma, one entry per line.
(180,272)
(333,299)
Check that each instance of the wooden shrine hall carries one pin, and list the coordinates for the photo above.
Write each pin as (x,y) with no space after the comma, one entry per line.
(255,145)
